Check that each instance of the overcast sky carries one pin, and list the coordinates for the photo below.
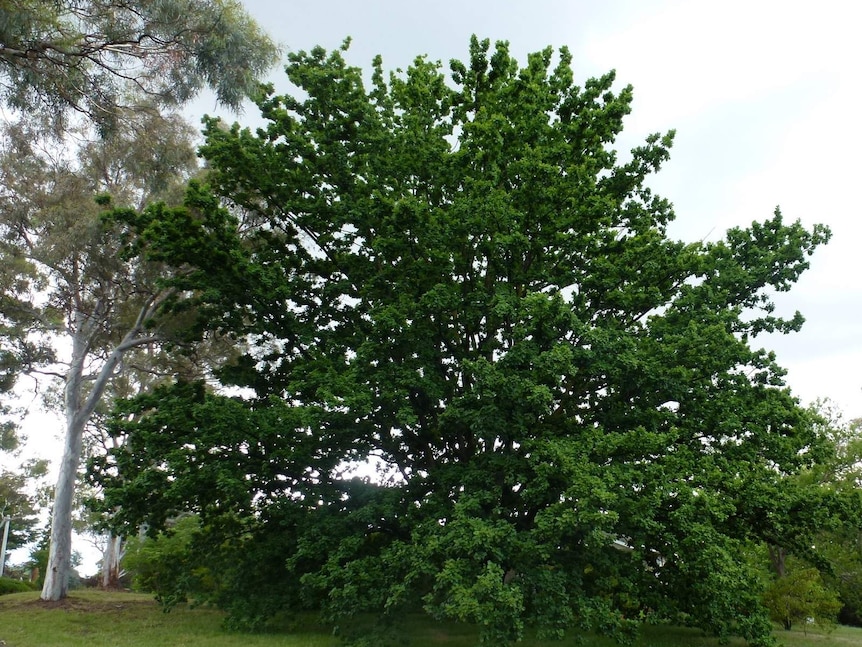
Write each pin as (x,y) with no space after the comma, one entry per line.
(764,96)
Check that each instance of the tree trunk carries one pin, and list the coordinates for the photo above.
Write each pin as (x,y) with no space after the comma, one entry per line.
(777,555)
(111,558)
(79,408)
(60,552)
(60,549)
(78,411)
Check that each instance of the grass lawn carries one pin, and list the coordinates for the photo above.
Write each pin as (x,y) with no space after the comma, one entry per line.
(99,619)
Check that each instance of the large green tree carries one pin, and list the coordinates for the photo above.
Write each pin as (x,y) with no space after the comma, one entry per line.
(95,56)
(456,278)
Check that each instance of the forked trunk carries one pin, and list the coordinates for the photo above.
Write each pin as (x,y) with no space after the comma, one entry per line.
(78,410)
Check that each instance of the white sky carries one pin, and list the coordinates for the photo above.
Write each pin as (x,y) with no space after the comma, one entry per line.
(764,97)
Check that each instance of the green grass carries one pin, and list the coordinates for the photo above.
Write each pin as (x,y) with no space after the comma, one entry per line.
(98,619)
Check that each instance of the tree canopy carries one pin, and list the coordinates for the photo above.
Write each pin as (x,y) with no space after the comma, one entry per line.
(455,278)
(93,56)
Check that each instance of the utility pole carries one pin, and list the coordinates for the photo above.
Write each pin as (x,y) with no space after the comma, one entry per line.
(7,521)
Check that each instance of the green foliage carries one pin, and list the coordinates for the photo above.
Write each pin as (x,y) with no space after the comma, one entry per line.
(238,568)
(843,551)
(60,258)
(821,522)
(8,585)
(159,564)
(38,557)
(9,439)
(800,596)
(459,281)
(20,503)
(91,56)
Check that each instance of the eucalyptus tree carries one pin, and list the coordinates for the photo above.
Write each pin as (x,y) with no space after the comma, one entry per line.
(105,62)
(115,64)
(94,56)
(455,276)
(86,305)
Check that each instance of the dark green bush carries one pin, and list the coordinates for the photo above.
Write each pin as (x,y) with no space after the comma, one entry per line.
(14,586)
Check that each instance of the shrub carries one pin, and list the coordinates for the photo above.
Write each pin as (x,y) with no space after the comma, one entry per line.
(14,586)
(164,565)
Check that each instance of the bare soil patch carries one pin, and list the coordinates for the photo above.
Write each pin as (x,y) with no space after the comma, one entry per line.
(90,605)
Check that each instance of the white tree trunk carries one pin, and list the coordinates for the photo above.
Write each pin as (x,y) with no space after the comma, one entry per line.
(111,571)
(60,551)
(79,408)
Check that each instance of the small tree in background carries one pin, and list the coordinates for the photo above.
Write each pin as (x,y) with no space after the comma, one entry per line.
(19,501)
(801,597)
(164,564)
(820,523)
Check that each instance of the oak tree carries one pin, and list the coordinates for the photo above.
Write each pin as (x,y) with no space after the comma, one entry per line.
(455,278)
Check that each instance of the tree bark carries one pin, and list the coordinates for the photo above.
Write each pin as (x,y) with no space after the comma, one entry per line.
(78,411)
(60,548)
(111,558)
(60,552)
(777,555)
